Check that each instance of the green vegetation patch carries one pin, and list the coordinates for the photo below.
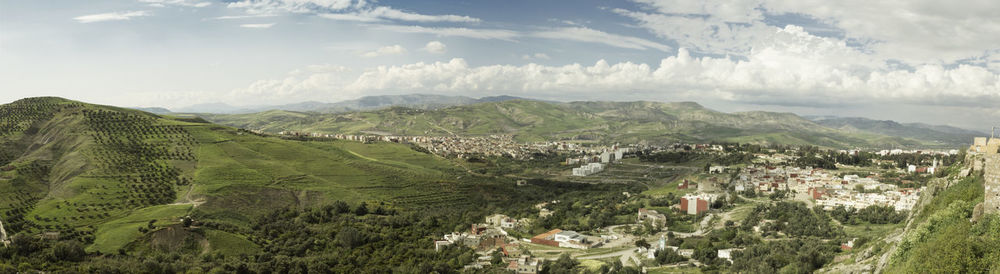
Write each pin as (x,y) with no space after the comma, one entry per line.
(117,233)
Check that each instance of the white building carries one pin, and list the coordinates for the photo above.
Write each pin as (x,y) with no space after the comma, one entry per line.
(566,236)
(588,169)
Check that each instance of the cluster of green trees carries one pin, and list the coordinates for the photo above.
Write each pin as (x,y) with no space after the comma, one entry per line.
(680,157)
(589,207)
(566,265)
(815,161)
(794,219)
(784,256)
(328,239)
(26,252)
(874,214)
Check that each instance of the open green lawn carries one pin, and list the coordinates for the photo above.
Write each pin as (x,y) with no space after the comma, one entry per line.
(117,233)
(668,188)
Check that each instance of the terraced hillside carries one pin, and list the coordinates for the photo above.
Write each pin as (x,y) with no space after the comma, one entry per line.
(99,175)
(586,121)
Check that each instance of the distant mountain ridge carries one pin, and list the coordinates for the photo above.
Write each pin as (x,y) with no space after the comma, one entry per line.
(938,133)
(537,119)
(629,122)
(416,101)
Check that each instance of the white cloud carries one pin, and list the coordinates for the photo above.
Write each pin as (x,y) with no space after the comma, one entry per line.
(386,50)
(792,68)
(498,34)
(350,17)
(182,3)
(536,56)
(915,32)
(571,34)
(912,31)
(703,33)
(582,34)
(348,10)
(310,83)
(257,26)
(110,16)
(435,47)
(235,17)
(394,14)
(292,6)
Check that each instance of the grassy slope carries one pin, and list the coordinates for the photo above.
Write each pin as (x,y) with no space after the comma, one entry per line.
(942,238)
(74,178)
(604,121)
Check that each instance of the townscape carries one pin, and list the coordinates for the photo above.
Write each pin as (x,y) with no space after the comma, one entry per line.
(489,137)
(521,245)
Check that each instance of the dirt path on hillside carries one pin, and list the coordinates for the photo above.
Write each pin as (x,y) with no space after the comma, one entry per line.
(189,201)
(3,235)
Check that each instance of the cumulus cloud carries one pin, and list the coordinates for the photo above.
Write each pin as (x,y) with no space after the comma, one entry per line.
(702,33)
(794,68)
(257,26)
(348,10)
(110,16)
(435,47)
(386,50)
(589,35)
(316,81)
(915,32)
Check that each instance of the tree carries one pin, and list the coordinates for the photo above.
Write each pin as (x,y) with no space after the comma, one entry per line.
(497,257)
(70,251)
(25,245)
(341,207)
(563,265)
(350,237)
(186,221)
(361,210)
(668,256)
(642,243)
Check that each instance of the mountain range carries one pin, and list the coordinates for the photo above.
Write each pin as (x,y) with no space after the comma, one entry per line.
(417,101)
(628,122)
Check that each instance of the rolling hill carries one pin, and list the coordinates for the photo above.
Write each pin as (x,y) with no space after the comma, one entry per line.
(416,101)
(528,120)
(99,174)
(934,133)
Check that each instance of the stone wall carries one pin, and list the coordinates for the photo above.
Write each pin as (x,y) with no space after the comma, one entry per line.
(991,203)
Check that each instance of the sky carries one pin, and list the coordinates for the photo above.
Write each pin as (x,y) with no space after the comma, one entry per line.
(925,61)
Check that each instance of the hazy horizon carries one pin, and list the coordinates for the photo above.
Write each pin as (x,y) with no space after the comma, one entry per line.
(929,62)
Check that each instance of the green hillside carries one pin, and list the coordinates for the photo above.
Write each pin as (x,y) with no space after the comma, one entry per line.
(630,122)
(941,238)
(97,174)
(943,135)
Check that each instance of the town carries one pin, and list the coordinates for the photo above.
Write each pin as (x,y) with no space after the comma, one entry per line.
(700,190)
